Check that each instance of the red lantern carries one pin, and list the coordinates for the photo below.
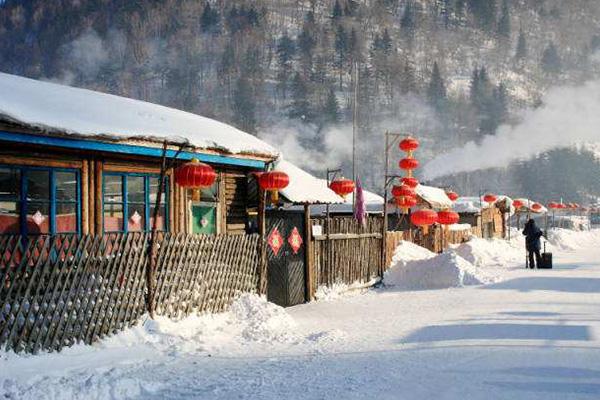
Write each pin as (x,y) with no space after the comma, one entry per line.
(402,191)
(452,196)
(447,217)
(561,206)
(409,181)
(409,145)
(553,206)
(342,187)
(517,204)
(536,206)
(195,175)
(408,164)
(273,181)
(406,202)
(424,218)
(490,198)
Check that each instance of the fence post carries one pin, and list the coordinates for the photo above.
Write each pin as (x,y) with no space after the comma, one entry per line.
(262,227)
(308,253)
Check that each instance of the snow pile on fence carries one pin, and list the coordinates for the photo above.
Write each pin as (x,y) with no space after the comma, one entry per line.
(415,268)
(494,252)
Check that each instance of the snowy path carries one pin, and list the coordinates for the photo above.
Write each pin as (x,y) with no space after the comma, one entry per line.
(536,335)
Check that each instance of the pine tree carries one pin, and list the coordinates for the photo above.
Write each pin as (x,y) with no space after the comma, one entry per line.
(306,44)
(504,23)
(341,46)
(300,107)
(551,63)
(409,17)
(286,49)
(244,108)
(337,12)
(209,21)
(522,52)
(436,93)
(408,79)
(331,113)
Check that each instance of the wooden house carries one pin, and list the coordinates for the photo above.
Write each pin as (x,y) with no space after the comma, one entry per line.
(78,161)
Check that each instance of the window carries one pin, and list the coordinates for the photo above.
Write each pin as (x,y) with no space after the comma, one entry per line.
(129,202)
(37,201)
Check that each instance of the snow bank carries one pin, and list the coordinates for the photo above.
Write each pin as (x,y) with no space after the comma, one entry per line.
(415,268)
(569,240)
(491,252)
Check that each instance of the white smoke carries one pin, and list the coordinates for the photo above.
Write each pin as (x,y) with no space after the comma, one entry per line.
(83,57)
(296,142)
(570,115)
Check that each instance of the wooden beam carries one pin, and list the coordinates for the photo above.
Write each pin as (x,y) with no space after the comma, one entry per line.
(41,162)
(262,228)
(98,199)
(92,197)
(85,194)
(308,265)
(342,236)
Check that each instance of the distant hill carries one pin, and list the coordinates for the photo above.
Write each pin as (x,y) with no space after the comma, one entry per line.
(449,70)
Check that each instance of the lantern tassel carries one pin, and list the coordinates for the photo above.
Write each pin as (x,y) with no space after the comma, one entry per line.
(274,197)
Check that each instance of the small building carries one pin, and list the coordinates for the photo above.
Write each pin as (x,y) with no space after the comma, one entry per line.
(74,161)
(486,219)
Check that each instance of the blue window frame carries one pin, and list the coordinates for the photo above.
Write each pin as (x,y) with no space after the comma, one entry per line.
(129,200)
(39,200)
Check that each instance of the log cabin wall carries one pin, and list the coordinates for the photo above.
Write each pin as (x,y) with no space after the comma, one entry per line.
(233,200)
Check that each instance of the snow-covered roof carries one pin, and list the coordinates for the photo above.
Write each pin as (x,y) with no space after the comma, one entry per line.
(436,197)
(470,205)
(528,203)
(55,108)
(305,188)
(373,203)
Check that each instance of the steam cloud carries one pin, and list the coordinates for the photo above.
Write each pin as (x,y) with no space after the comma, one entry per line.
(296,143)
(570,115)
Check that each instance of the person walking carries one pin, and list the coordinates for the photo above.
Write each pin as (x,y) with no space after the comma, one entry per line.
(533,243)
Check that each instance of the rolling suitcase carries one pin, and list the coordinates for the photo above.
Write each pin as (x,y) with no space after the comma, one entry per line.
(546,261)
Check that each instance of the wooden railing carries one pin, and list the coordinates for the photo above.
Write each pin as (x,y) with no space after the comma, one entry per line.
(351,254)
(60,290)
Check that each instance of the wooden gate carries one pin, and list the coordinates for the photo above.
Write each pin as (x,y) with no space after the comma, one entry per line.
(286,284)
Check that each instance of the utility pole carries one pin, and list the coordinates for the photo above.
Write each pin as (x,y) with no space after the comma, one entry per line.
(355,122)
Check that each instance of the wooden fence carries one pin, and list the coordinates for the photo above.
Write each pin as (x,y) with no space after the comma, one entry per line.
(60,290)
(352,254)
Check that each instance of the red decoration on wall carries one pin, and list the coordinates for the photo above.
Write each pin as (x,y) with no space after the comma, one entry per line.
(275,241)
(295,240)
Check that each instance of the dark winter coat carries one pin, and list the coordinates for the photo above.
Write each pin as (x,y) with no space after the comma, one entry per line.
(532,236)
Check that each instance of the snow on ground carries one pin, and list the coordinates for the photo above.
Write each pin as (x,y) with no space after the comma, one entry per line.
(534,335)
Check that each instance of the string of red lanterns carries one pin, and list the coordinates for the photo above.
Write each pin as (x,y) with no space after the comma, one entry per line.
(404,194)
